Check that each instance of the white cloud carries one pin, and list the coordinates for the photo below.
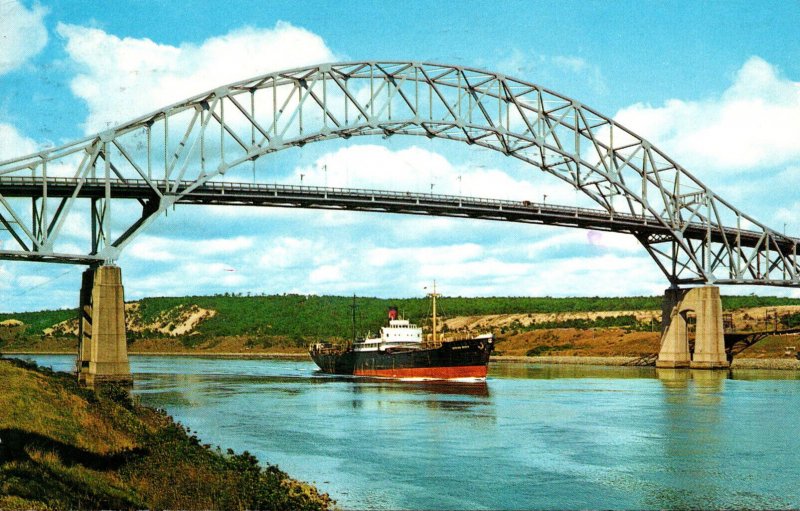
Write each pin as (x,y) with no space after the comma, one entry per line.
(413,229)
(189,279)
(27,281)
(445,255)
(490,268)
(612,241)
(416,169)
(578,240)
(786,218)
(608,275)
(22,34)
(292,253)
(152,248)
(326,274)
(71,248)
(76,226)
(753,124)
(475,259)
(123,78)
(547,69)
(13,143)
(6,279)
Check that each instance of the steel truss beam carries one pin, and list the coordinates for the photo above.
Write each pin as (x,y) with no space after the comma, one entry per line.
(180,149)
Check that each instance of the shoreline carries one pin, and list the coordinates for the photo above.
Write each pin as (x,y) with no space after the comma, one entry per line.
(574,360)
(278,355)
(784,364)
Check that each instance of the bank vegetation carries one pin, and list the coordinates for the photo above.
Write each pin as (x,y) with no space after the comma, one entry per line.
(533,326)
(66,447)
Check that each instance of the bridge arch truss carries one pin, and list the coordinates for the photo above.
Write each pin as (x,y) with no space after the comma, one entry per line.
(176,151)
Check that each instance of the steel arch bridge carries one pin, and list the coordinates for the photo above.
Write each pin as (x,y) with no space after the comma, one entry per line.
(173,155)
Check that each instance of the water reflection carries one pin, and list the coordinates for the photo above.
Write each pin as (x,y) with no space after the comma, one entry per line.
(478,389)
(550,371)
(705,386)
(470,400)
(532,436)
(703,377)
(764,374)
(673,378)
(692,425)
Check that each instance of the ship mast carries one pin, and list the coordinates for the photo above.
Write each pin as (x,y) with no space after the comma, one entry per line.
(433,299)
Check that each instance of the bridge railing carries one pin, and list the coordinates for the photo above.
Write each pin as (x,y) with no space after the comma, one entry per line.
(223,186)
(151,192)
(321,191)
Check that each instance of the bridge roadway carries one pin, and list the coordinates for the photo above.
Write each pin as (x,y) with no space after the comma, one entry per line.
(278,195)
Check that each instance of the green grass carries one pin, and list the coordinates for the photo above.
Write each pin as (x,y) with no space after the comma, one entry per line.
(627,321)
(298,318)
(291,319)
(36,322)
(541,350)
(64,447)
(791,320)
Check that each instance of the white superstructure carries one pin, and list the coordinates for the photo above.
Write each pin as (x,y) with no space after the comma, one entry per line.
(400,333)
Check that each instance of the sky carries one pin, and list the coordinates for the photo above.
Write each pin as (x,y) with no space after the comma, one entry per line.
(716,85)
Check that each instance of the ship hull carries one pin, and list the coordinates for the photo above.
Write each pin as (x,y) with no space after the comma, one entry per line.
(461,359)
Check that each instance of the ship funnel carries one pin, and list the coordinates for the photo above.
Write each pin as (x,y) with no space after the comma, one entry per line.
(392,313)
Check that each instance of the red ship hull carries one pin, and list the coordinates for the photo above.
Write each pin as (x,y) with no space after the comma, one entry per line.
(432,373)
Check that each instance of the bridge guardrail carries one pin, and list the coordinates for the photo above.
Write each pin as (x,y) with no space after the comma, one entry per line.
(266,187)
(358,192)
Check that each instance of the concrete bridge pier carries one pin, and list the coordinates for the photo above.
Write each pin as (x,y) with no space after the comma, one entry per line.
(709,345)
(102,348)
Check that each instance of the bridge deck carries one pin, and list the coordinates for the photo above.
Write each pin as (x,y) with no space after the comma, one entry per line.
(276,195)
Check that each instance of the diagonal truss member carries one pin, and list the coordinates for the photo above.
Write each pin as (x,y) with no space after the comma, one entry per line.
(180,149)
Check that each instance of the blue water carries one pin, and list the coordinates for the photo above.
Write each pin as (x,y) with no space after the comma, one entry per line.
(531,437)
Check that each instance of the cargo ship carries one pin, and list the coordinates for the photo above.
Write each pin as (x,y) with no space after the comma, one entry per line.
(402,351)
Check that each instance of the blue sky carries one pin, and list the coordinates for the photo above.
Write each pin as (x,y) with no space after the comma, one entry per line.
(715,84)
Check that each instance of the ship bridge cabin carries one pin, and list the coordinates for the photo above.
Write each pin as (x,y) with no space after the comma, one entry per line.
(399,333)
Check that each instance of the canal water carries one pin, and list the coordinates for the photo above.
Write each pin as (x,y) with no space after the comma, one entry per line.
(531,437)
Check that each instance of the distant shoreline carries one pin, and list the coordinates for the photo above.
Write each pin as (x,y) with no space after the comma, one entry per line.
(617,361)
(297,356)
(790,364)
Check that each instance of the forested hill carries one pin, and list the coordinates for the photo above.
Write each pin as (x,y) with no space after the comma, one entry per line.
(303,317)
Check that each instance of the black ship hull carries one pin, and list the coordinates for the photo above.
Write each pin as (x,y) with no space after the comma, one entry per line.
(458,359)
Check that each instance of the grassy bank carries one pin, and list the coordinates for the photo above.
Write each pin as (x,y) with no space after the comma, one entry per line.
(264,325)
(294,319)
(63,447)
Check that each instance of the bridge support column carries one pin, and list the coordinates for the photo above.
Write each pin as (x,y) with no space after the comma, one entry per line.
(102,350)
(674,351)
(85,324)
(709,346)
